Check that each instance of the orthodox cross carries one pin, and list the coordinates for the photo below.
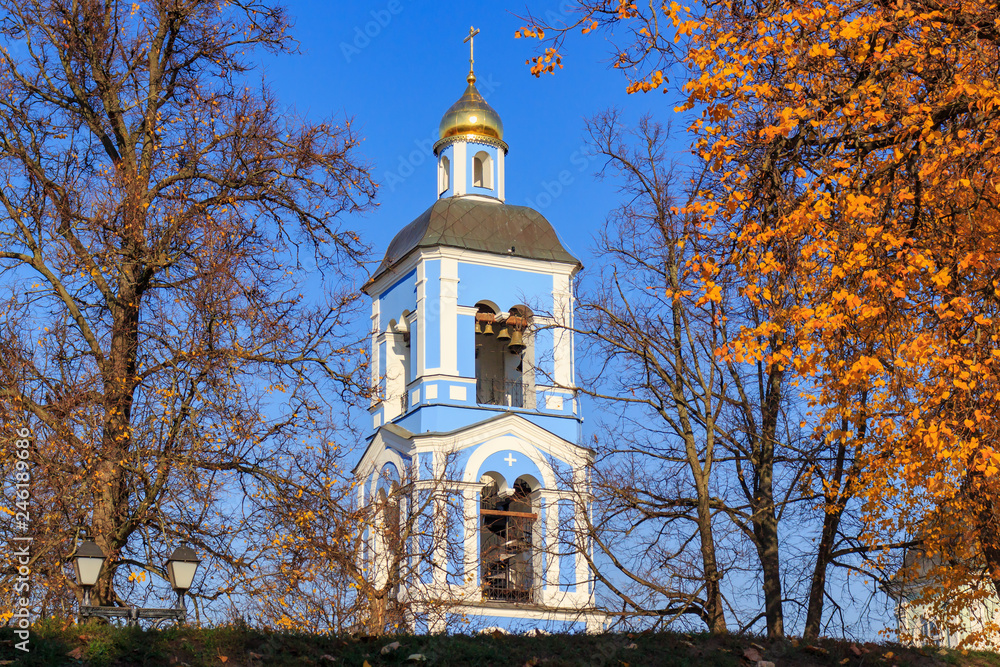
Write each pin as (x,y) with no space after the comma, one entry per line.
(472,33)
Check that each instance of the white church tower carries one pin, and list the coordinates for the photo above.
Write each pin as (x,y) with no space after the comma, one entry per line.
(476,424)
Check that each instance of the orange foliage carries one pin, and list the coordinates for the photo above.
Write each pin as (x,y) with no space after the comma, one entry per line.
(856,145)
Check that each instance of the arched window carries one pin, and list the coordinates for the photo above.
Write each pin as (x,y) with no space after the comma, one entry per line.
(506,541)
(397,366)
(504,357)
(482,167)
(444,174)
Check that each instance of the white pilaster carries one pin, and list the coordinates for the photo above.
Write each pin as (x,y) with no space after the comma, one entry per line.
(470,502)
(501,156)
(459,169)
(580,522)
(562,339)
(439,550)
(552,547)
(376,372)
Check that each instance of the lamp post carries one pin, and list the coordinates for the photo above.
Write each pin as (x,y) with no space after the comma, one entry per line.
(180,567)
(88,564)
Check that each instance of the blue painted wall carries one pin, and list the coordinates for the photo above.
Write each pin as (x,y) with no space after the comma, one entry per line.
(432,314)
(415,334)
(402,295)
(504,287)
(466,343)
(567,559)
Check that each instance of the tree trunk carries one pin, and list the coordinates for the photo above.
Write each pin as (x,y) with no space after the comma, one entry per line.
(713,594)
(817,587)
(765,519)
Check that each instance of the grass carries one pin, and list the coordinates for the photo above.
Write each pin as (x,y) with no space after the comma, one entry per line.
(60,643)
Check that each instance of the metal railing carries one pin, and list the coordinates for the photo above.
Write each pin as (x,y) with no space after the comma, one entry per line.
(501,392)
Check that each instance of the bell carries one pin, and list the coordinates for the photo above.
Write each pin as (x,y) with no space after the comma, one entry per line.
(488,328)
(516,345)
(504,334)
(479,327)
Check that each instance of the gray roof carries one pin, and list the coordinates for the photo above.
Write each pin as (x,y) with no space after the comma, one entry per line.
(501,229)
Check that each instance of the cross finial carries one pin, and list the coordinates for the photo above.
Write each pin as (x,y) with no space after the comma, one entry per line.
(472,33)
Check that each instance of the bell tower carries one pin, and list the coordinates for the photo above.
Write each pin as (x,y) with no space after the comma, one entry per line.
(474,401)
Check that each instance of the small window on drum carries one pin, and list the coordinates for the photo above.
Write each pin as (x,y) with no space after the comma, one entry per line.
(444,174)
(482,167)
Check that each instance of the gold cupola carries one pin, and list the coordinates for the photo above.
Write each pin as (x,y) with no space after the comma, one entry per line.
(470,151)
(471,115)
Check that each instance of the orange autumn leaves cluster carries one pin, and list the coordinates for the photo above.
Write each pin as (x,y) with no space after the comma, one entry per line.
(853,150)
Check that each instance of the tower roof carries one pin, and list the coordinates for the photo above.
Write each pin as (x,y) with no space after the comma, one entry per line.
(471,114)
(501,229)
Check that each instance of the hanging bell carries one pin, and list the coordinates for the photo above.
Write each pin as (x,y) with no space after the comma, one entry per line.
(488,328)
(516,345)
(479,327)
(503,334)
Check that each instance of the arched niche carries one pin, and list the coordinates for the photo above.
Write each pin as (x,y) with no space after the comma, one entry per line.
(444,174)
(482,170)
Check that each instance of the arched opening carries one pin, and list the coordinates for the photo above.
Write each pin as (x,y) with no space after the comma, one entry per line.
(504,356)
(482,168)
(397,366)
(506,538)
(444,174)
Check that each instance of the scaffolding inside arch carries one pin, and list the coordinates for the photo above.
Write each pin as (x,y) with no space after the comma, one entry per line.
(506,527)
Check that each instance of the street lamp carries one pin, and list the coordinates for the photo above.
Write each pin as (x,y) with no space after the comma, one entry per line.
(181,567)
(89,561)
(88,564)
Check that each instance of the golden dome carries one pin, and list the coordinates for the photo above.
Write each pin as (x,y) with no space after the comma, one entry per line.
(471,115)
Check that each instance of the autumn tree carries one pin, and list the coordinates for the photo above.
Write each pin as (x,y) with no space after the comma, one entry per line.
(703,445)
(354,561)
(174,316)
(855,145)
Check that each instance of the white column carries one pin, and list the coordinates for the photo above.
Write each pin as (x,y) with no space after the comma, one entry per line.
(501,155)
(551,546)
(459,168)
(375,360)
(580,531)
(439,549)
(562,340)
(470,502)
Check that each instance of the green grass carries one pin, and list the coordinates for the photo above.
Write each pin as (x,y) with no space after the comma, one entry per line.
(60,643)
